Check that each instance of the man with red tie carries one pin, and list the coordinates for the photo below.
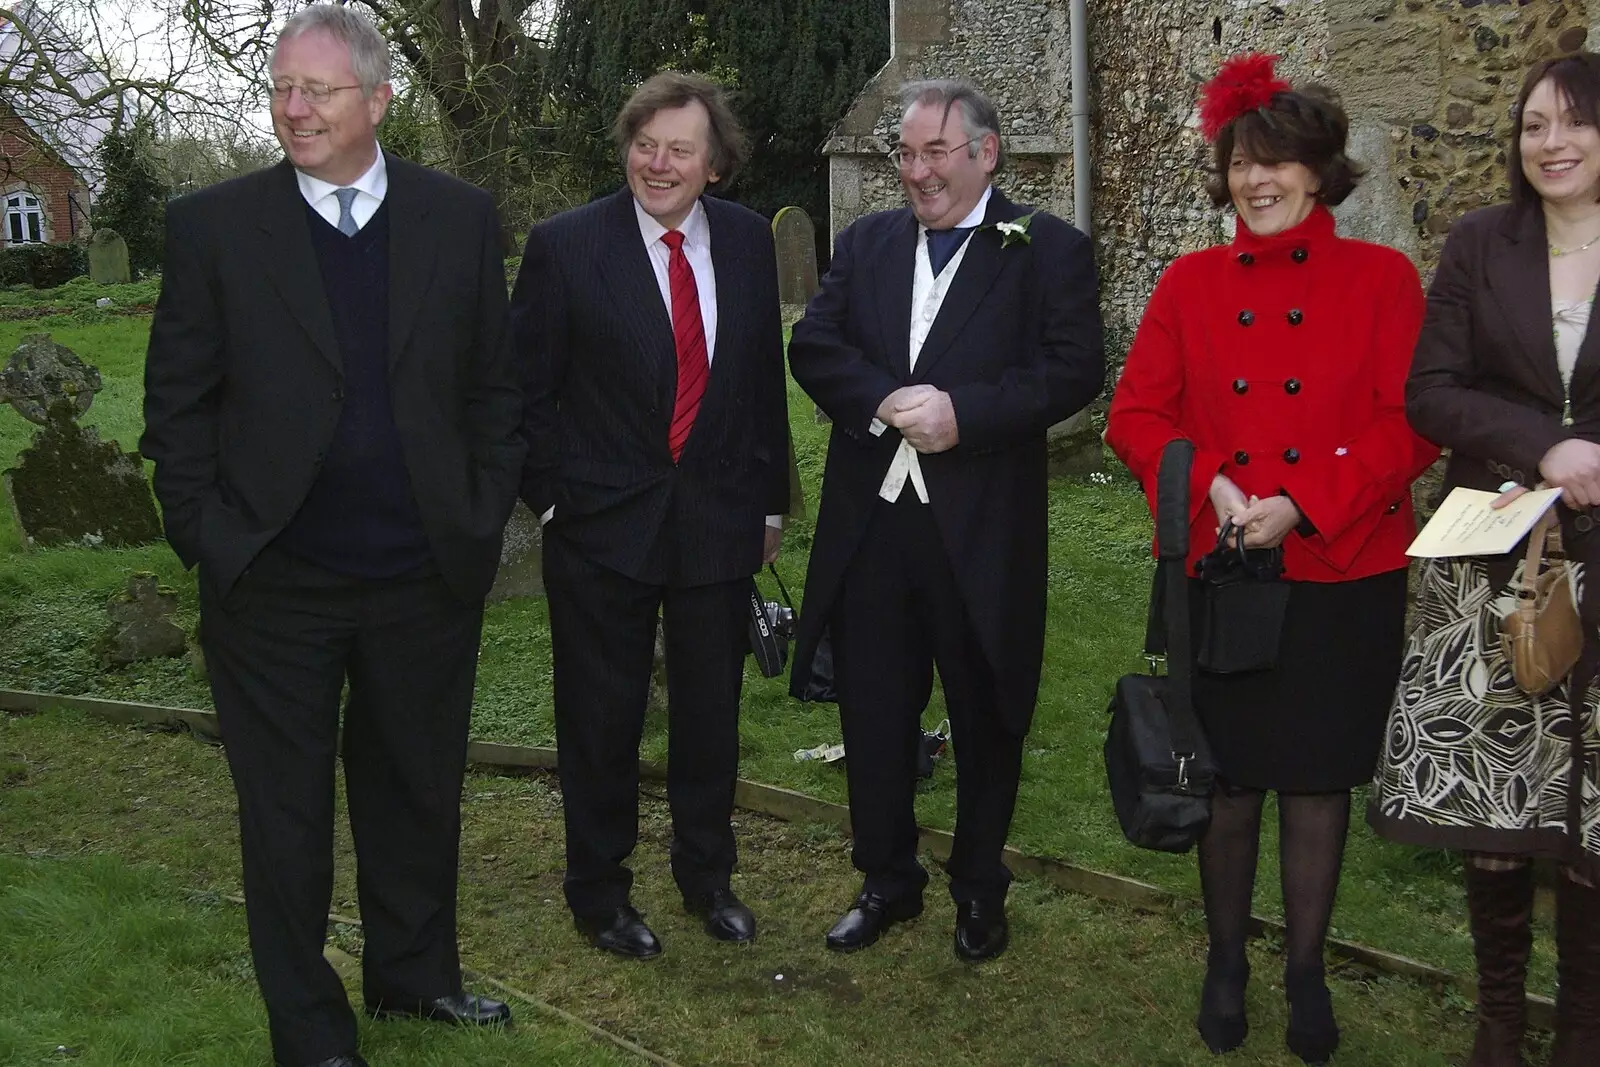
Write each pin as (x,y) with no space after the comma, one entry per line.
(656,419)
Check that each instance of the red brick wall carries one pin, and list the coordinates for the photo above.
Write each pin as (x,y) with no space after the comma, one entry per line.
(25,165)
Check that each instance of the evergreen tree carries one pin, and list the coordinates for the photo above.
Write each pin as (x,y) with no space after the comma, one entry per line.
(793,67)
(801,64)
(133,196)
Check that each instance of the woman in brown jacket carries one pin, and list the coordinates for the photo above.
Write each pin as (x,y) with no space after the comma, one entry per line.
(1507,376)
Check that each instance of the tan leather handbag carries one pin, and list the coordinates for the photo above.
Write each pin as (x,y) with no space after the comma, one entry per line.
(1542,636)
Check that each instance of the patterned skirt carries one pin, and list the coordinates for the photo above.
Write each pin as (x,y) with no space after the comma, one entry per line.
(1470,761)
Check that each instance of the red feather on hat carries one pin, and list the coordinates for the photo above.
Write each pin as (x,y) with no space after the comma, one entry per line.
(1243,83)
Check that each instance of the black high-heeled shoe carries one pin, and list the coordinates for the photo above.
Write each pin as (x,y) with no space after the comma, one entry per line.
(1223,1031)
(1313,1035)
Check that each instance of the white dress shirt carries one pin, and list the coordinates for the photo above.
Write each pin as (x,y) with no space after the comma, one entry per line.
(927,297)
(370,189)
(697,249)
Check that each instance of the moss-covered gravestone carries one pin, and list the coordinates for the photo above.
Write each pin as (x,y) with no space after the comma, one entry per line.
(141,624)
(70,487)
(108,257)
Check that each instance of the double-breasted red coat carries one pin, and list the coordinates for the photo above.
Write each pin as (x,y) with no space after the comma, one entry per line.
(1284,359)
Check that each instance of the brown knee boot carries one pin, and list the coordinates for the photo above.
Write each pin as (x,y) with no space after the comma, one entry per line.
(1500,904)
(1578,969)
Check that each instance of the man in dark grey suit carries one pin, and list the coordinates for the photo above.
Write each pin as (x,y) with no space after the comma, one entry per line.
(658,459)
(946,339)
(333,411)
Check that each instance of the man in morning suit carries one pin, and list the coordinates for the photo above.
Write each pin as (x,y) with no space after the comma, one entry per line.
(943,347)
(333,410)
(657,434)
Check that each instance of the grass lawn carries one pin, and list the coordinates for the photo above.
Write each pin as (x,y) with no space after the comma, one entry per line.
(112,964)
(117,851)
(1404,900)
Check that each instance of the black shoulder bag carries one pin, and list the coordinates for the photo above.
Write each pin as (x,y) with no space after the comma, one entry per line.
(1157,760)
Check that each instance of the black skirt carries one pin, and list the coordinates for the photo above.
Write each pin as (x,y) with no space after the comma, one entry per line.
(1314,722)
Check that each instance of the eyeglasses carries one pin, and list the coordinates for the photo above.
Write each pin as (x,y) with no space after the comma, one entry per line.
(311,92)
(905,158)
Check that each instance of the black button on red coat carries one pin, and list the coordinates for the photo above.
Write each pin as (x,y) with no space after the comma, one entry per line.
(1291,455)
(1246,317)
(1242,458)
(1292,386)
(1299,255)
(1296,317)
(1241,386)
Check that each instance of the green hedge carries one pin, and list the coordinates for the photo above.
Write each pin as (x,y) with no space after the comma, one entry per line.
(42,266)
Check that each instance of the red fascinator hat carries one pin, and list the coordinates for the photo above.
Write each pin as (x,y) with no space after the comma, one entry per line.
(1244,83)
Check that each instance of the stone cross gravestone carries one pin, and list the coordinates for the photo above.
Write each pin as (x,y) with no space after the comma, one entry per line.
(40,371)
(141,624)
(108,258)
(70,487)
(795,236)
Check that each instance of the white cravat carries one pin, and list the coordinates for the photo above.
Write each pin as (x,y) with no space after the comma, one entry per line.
(927,297)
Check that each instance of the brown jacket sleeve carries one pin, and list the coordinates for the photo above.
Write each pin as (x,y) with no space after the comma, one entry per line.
(1474,388)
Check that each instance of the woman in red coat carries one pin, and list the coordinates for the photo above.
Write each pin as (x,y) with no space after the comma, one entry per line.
(1283,357)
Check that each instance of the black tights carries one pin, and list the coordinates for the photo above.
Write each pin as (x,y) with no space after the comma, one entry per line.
(1311,830)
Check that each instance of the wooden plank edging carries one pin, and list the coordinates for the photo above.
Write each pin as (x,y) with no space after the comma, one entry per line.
(792,806)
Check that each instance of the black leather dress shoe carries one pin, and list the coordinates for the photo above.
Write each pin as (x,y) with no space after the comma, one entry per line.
(726,917)
(344,1059)
(869,917)
(621,931)
(981,930)
(462,1009)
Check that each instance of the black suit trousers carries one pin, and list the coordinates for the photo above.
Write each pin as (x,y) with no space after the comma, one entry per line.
(279,648)
(900,613)
(602,627)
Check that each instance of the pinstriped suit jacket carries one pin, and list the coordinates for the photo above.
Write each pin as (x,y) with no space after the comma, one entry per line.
(595,341)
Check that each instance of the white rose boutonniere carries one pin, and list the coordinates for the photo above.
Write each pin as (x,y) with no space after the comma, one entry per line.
(1016,231)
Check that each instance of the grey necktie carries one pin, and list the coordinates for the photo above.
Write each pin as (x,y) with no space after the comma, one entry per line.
(347,221)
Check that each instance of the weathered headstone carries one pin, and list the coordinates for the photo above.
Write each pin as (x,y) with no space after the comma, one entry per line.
(1074,447)
(71,488)
(41,371)
(656,702)
(141,624)
(796,238)
(108,258)
(521,557)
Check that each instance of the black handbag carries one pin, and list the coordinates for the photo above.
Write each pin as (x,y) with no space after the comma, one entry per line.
(1244,604)
(1157,761)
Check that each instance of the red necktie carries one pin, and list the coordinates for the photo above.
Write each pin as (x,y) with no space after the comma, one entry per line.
(689,335)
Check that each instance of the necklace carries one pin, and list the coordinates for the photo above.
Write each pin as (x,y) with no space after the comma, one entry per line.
(1556,253)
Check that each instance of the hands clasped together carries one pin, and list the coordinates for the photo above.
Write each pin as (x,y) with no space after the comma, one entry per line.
(1266,521)
(924,416)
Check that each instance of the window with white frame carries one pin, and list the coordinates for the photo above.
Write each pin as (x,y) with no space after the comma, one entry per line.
(24,219)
